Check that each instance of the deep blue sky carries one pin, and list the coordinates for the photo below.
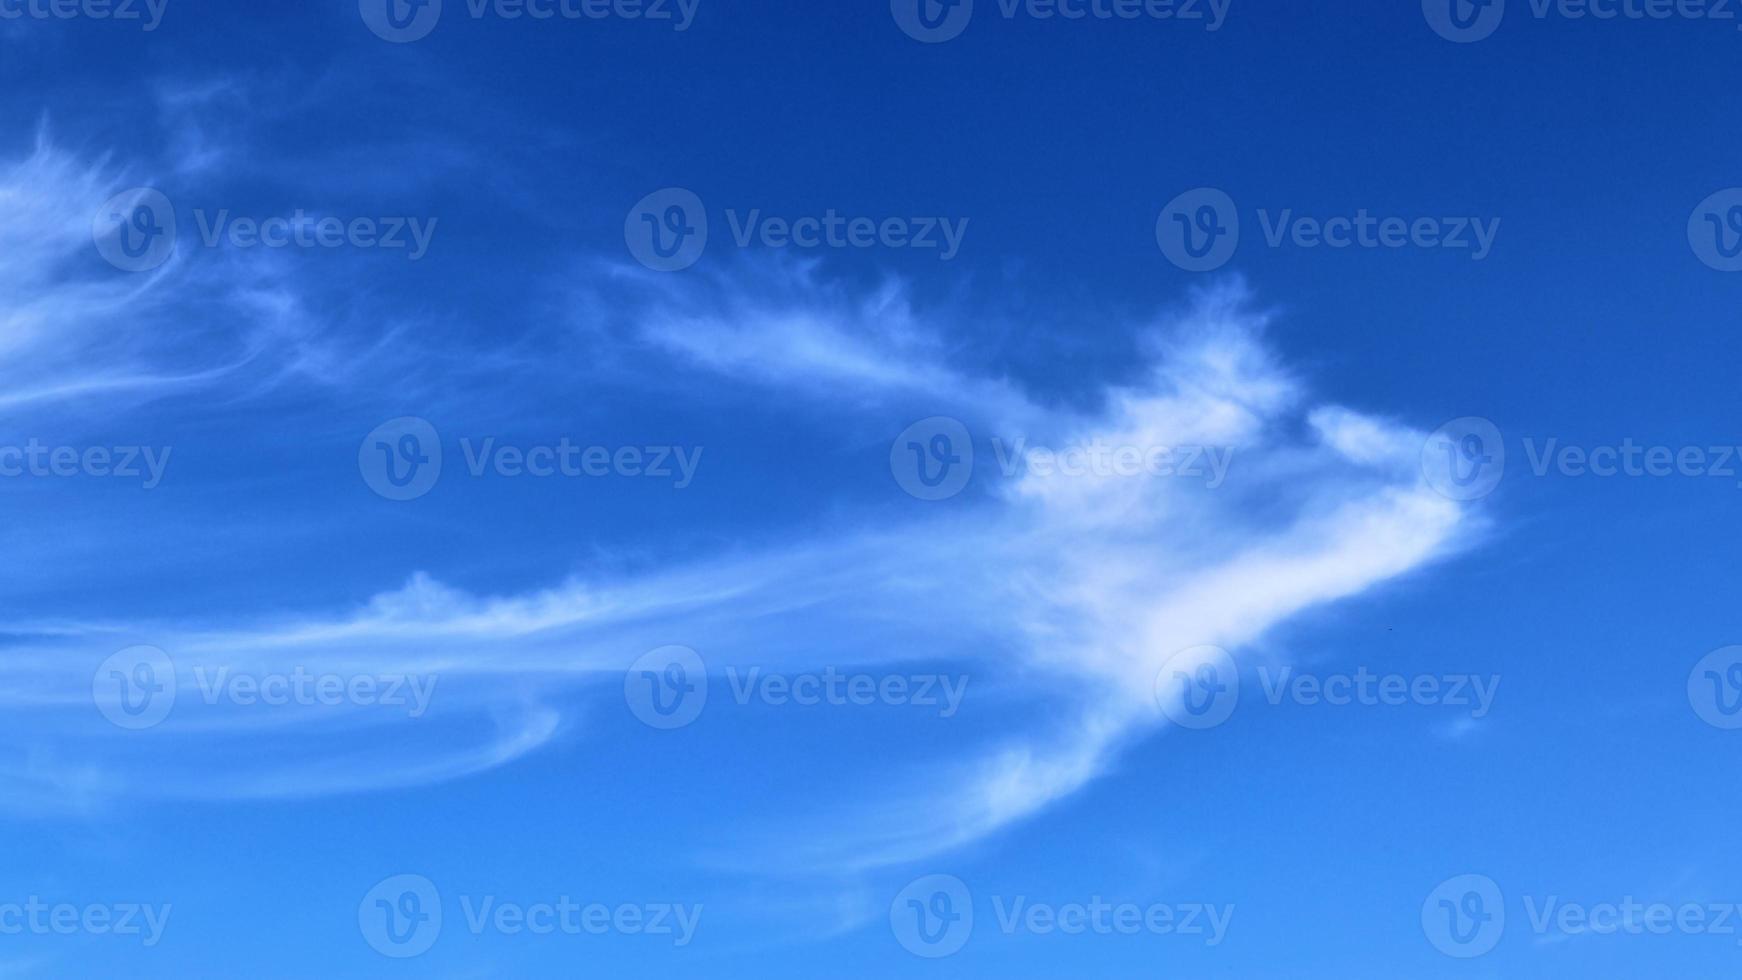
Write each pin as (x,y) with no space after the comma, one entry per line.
(1592,321)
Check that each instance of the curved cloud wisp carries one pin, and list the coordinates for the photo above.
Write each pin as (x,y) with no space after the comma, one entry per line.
(1071,588)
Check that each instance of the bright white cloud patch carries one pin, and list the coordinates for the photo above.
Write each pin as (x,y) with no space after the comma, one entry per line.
(1071,590)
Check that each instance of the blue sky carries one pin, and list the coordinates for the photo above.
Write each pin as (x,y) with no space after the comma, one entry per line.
(971,521)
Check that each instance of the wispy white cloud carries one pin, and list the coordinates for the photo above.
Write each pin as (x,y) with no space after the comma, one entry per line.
(74,329)
(1076,588)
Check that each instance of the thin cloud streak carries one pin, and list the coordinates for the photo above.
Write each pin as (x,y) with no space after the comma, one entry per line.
(1083,585)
